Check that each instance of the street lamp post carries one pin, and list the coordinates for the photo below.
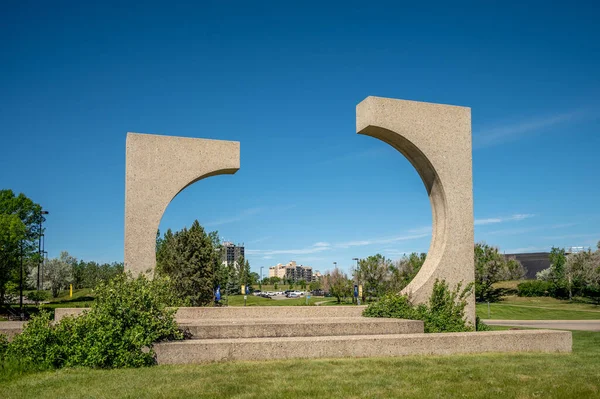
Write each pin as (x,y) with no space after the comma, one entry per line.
(21,287)
(357,277)
(261,277)
(42,213)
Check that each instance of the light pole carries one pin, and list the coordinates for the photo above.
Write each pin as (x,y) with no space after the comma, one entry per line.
(42,213)
(357,277)
(261,278)
(21,287)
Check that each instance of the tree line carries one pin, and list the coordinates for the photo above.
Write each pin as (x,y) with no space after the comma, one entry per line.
(379,275)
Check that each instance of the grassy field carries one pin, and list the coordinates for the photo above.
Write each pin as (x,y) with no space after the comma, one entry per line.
(538,308)
(474,376)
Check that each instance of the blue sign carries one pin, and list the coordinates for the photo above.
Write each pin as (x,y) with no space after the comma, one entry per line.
(218,294)
(355,291)
(247,289)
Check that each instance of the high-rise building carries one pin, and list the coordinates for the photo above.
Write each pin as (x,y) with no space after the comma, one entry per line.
(231,253)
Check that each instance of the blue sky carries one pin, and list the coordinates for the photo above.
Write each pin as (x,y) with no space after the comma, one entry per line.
(284,81)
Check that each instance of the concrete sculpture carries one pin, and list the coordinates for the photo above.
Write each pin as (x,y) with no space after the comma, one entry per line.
(157,169)
(436,139)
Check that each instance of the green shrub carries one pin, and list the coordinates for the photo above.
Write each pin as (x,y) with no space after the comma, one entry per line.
(445,311)
(126,318)
(38,296)
(480,325)
(534,288)
(3,345)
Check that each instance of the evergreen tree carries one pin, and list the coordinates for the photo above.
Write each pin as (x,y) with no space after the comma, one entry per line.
(189,258)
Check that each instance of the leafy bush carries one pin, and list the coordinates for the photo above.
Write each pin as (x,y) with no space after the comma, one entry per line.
(444,312)
(126,318)
(534,288)
(480,325)
(38,296)
(3,345)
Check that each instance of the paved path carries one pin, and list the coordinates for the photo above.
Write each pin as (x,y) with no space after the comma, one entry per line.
(585,325)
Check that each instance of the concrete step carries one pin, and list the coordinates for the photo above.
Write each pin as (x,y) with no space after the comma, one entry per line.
(215,350)
(268,312)
(308,327)
(247,312)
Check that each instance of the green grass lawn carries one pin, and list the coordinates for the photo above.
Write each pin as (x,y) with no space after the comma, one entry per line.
(538,308)
(573,375)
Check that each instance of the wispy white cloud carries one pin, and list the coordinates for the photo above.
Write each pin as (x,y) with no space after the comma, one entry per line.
(267,257)
(516,217)
(261,239)
(236,218)
(246,213)
(382,240)
(501,134)
(529,229)
(317,247)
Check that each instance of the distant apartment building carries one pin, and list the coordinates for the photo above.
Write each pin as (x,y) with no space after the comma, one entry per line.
(230,252)
(291,271)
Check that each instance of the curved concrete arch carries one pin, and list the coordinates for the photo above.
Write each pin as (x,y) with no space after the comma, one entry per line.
(157,169)
(436,139)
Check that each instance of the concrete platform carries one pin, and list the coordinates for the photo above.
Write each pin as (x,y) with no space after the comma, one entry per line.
(248,312)
(583,325)
(216,350)
(11,328)
(286,327)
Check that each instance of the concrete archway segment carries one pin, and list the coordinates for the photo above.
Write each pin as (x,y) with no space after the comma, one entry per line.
(436,139)
(157,169)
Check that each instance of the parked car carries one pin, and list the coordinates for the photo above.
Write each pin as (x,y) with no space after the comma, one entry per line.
(257,293)
(293,295)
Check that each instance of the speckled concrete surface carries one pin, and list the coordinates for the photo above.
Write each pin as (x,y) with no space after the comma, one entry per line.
(157,169)
(436,139)
(211,350)
(248,312)
(262,328)
(10,328)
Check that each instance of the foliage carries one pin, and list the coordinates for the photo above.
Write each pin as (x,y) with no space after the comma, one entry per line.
(19,229)
(445,311)
(127,317)
(481,326)
(571,275)
(58,273)
(337,284)
(534,288)
(90,274)
(190,260)
(372,273)
(404,270)
(490,267)
(37,296)
(3,346)
(314,285)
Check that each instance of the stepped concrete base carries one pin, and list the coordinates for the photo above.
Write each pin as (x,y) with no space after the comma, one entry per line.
(312,327)
(215,350)
(248,312)
(11,328)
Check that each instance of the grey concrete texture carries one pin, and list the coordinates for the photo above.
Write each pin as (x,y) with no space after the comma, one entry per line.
(157,168)
(217,350)
(247,312)
(583,325)
(436,139)
(11,328)
(263,328)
